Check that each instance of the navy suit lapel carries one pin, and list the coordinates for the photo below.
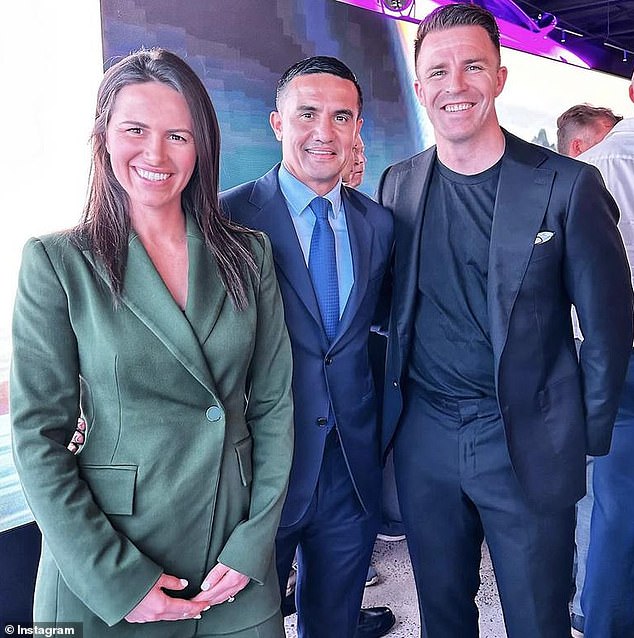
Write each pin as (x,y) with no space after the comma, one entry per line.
(360,234)
(516,222)
(275,220)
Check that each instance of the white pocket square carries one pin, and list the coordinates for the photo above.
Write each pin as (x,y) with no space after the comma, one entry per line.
(543,236)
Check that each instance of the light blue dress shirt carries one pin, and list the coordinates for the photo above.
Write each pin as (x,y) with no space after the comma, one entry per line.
(298,197)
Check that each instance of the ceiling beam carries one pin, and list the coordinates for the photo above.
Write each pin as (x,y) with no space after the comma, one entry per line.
(570,6)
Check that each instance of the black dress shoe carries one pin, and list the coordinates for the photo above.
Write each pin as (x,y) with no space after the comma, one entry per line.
(374,622)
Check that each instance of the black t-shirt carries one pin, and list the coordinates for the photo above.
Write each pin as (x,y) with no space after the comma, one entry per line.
(451,352)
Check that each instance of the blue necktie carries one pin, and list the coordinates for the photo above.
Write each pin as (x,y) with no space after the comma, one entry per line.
(322,265)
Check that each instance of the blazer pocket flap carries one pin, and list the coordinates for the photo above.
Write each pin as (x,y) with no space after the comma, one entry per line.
(244,452)
(112,486)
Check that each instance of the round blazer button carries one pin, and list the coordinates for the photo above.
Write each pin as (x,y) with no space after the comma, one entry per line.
(321,421)
(214,413)
(395,383)
(328,360)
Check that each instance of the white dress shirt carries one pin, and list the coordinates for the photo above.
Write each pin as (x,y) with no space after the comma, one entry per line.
(614,157)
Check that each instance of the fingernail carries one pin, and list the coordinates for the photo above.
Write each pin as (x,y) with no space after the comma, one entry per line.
(205,586)
(184,582)
(198,617)
(206,608)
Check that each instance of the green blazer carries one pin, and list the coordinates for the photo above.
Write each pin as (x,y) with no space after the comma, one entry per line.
(189,442)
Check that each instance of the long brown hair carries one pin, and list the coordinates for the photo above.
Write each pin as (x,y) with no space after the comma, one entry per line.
(105,223)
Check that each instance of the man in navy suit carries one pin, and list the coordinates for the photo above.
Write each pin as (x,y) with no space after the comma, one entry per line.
(488,410)
(331,246)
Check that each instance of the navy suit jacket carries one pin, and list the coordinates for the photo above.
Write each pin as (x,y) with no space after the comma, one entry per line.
(338,374)
(555,407)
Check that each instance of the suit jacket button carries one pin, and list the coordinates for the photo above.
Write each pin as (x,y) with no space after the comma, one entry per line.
(322,421)
(214,413)
(328,360)
(395,383)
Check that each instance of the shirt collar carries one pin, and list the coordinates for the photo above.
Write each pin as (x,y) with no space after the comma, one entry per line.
(299,196)
(626,125)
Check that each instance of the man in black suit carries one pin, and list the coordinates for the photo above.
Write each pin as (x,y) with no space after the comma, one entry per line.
(488,410)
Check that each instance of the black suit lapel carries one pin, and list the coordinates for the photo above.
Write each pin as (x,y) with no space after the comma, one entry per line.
(407,202)
(520,206)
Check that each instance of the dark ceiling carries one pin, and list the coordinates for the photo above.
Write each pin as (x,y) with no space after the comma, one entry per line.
(598,22)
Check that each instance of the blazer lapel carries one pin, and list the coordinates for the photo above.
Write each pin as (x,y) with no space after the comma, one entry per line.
(516,222)
(206,294)
(145,294)
(410,192)
(360,234)
(274,219)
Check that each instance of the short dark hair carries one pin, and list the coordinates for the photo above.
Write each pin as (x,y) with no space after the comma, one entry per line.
(318,64)
(579,117)
(457,15)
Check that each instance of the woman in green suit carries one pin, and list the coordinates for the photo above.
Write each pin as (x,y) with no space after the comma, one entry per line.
(159,323)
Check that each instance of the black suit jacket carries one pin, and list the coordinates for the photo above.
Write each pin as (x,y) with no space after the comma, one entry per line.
(555,407)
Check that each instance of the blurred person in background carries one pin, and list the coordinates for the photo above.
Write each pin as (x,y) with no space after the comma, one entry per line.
(578,129)
(607,600)
(582,126)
